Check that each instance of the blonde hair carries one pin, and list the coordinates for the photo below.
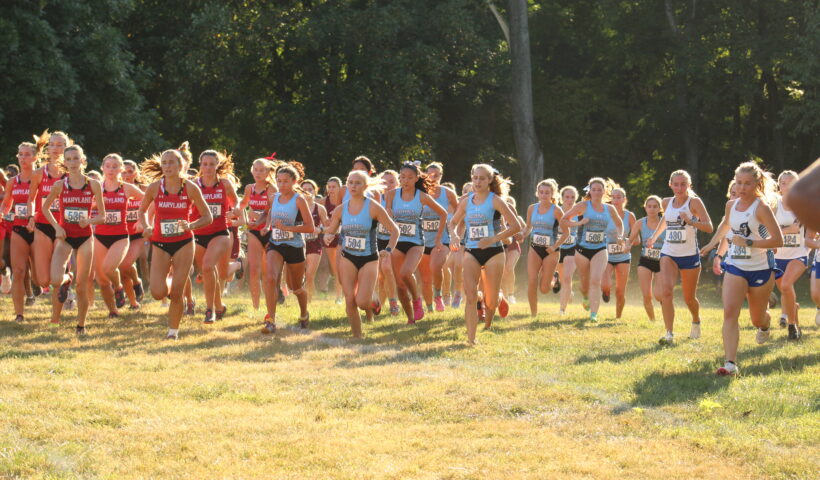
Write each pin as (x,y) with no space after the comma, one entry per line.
(607,184)
(270,165)
(570,188)
(37,147)
(152,166)
(684,174)
(786,173)
(729,190)
(766,187)
(498,184)
(371,183)
(617,188)
(549,182)
(113,156)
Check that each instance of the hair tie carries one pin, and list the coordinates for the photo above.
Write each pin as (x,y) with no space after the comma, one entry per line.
(586,189)
(272,156)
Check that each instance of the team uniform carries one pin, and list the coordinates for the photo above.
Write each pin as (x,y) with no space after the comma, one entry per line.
(359,235)
(570,245)
(430,222)
(681,243)
(40,222)
(382,234)
(257,204)
(544,226)
(217,199)
(75,205)
(794,246)
(115,227)
(755,265)
(482,221)
(407,215)
(169,209)
(330,206)
(650,257)
(313,242)
(132,207)
(618,253)
(19,200)
(593,238)
(291,245)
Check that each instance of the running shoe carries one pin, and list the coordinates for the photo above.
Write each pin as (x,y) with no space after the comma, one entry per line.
(281,298)
(457,302)
(139,292)
(62,294)
(80,331)
(585,303)
(46,290)
(18,319)
(269,328)
(119,298)
(446,299)
(694,333)
(37,290)
(794,332)
(113,315)
(339,300)
(221,314)
(728,369)
(377,307)
(304,322)
(134,307)
(190,308)
(429,309)
(593,317)
(5,285)
(30,300)
(556,285)
(172,335)
(394,308)
(605,297)
(439,303)
(511,300)
(783,321)
(762,336)
(667,339)
(209,316)
(503,307)
(418,310)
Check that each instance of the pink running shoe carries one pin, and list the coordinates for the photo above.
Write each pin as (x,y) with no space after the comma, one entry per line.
(439,304)
(418,310)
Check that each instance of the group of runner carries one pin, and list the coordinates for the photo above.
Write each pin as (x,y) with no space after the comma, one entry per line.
(401,239)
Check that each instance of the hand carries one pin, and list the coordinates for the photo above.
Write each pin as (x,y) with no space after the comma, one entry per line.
(685,217)
(83,223)
(650,243)
(485,243)
(59,232)
(147,232)
(383,254)
(328,238)
(550,250)
(184,226)
(519,237)
(440,247)
(455,241)
(738,240)
(716,269)
(706,249)
(30,224)
(278,225)
(236,212)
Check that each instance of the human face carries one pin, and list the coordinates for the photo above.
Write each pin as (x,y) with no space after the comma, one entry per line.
(467,188)
(568,198)
(170,165)
(25,157)
(259,172)
(360,166)
(285,182)
(618,199)
(356,185)
(207,166)
(307,187)
(389,181)
(596,192)
(746,186)
(785,183)
(408,178)
(434,174)
(56,146)
(111,168)
(481,180)
(680,185)
(652,208)
(129,173)
(733,192)
(332,188)
(73,161)
(545,194)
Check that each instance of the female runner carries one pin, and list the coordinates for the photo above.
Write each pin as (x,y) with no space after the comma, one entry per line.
(213,242)
(543,219)
(288,220)
(137,250)
(458,253)
(447,271)
(432,262)
(684,214)
(257,199)
(358,268)
(566,262)
(649,265)
(482,211)
(750,264)
(512,251)
(111,239)
(313,244)
(592,256)
(620,255)
(172,195)
(333,199)
(406,204)
(792,258)
(77,194)
(16,202)
(387,280)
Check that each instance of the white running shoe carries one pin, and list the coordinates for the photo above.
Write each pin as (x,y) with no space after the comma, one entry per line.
(511,299)
(667,339)
(694,333)
(728,369)
(5,285)
(762,336)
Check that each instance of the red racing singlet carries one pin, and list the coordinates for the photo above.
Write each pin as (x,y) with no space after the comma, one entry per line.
(75,205)
(19,201)
(115,207)
(169,209)
(258,204)
(132,206)
(217,201)
(42,192)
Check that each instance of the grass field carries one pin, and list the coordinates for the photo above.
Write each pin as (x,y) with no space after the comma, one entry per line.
(552,398)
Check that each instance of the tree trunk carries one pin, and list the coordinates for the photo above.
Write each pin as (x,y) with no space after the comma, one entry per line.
(530,157)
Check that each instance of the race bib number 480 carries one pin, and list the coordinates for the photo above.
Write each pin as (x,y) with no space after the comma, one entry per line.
(675,236)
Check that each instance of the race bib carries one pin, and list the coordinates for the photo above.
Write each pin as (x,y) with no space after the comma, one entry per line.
(255,215)
(216,209)
(20,210)
(541,240)
(675,236)
(131,216)
(354,244)
(570,240)
(280,235)
(170,228)
(740,252)
(652,253)
(55,205)
(477,232)
(791,240)
(383,230)
(9,217)
(594,237)
(75,214)
(430,225)
(407,229)
(614,248)
(309,237)
(113,217)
